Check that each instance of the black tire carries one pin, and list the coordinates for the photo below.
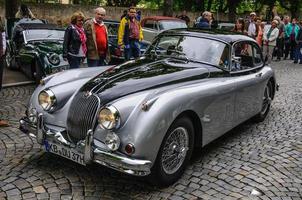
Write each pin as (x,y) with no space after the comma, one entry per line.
(159,175)
(266,104)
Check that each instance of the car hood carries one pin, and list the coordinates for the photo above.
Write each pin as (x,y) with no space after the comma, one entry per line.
(142,74)
(49,46)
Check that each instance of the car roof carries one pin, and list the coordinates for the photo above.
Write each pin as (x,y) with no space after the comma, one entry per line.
(37,26)
(218,34)
(158,18)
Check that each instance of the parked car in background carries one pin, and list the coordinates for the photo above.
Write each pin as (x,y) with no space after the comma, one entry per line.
(145,116)
(36,49)
(117,53)
(226,26)
(154,25)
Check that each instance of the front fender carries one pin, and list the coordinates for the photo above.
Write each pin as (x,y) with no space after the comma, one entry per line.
(64,85)
(146,129)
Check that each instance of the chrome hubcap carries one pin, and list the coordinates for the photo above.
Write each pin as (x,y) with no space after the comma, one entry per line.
(175,150)
(266,100)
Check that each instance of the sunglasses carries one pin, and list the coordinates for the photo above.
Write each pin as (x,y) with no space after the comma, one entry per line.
(132,12)
(80,20)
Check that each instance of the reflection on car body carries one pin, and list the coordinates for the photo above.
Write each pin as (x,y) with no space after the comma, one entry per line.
(145,117)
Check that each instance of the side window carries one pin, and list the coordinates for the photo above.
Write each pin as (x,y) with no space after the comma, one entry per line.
(242,56)
(149,24)
(257,55)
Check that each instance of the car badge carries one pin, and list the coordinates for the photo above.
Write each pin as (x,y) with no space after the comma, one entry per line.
(87,94)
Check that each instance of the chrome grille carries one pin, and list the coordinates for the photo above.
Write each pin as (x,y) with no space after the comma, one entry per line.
(81,116)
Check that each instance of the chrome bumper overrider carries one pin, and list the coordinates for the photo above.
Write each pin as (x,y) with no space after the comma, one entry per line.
(91,152)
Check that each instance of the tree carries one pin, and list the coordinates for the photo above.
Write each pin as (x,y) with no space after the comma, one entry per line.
(168,8)
(122,3)
(292,6)
(200,5)
(232,4)
(11,8)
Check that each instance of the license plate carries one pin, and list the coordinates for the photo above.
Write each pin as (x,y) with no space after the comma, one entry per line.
(64,152)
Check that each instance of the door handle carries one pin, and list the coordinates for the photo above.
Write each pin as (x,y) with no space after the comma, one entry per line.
(259,75)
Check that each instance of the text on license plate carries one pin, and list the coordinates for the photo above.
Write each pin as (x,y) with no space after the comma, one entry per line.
(64,152)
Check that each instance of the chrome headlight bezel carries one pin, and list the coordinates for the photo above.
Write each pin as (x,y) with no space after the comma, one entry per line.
(113,120)
(53,58)
(49,104)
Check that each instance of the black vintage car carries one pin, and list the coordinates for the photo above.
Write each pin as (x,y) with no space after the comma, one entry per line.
(36,49)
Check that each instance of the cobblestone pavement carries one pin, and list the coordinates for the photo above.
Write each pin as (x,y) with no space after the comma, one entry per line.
(265,156)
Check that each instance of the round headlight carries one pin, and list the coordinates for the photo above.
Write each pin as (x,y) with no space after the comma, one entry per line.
(109,118)
(47,100)
(54,59)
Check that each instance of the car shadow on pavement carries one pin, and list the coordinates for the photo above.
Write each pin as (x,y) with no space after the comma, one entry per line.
(91,180)
(227,138)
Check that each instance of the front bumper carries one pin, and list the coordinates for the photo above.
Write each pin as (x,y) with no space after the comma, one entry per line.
(91,152)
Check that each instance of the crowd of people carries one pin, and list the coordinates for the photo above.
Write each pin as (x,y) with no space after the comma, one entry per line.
(280,38)
(89,38)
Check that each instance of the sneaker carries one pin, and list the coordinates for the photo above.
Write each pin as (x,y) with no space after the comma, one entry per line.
(3,123)
(300,62)
(295,62)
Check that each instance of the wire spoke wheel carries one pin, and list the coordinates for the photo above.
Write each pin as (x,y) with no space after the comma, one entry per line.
(266,99)
(175,150)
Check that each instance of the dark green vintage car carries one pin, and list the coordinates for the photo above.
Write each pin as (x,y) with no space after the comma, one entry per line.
(36,49)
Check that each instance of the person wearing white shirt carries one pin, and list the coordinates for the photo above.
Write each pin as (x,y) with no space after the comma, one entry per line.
(270,40)
(252,26)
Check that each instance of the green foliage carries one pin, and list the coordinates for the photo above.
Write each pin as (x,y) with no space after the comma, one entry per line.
(153,4)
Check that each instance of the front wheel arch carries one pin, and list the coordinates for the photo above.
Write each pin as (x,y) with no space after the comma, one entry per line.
(197,126)
(159,176)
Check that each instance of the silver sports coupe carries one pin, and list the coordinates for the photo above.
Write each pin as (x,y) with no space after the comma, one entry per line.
(144,117)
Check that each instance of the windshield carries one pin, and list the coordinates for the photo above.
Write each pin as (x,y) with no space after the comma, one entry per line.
(166,25)
(44,34)
(193,48)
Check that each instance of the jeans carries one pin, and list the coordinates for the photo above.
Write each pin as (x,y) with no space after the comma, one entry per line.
(74,62)
(132,50)
(289,48)
(96,63)
(298,55)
